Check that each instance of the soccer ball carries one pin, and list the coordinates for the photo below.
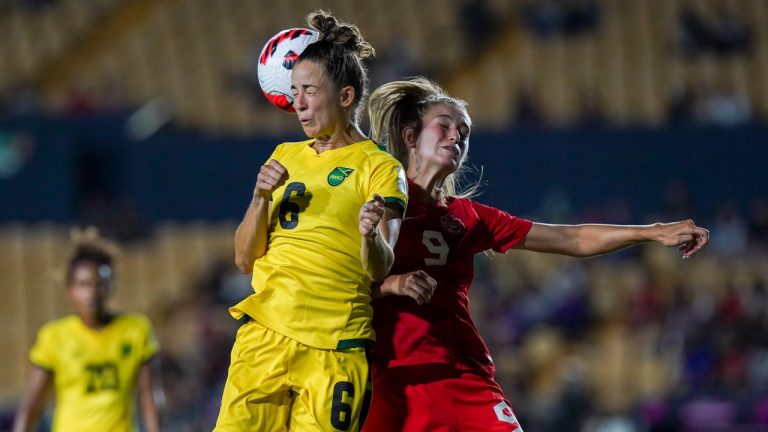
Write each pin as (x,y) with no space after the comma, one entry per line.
(276,63)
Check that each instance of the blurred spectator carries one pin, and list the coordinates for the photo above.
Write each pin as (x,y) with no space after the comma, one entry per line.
(548,18)
(680,108)
(393,61)
(725,34)
(527,113)
(480,24)
(722,106)
(729,231)
(21,99)
(590,115)
(758,221)
(16,149)
(676,201)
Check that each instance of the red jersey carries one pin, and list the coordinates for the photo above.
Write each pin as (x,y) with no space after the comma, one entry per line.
(442,241)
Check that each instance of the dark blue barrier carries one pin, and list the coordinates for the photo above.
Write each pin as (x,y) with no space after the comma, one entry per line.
(183,175)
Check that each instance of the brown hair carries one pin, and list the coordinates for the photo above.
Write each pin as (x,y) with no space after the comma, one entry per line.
(340,49)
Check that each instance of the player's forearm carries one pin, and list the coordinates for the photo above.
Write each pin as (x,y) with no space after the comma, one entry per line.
(22,422)
(377,257)
(593,239)
(151,395)
(586,240)
(251,235)
(33,401)
(600,239)
(27,415)
(150,413)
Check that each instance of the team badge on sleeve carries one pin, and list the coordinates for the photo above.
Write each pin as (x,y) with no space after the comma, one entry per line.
(402,183)
(338,175)
(504,413)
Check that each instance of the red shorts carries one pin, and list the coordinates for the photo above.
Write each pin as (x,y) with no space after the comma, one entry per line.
(437,398)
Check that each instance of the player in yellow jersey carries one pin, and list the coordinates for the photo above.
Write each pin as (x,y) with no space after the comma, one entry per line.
(95,359)
(320,226)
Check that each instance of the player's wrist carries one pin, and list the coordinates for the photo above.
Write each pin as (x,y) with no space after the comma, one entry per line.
(372,234)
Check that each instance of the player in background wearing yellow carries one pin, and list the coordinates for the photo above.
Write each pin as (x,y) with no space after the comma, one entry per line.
(432,370)
(96,359)
(320,227)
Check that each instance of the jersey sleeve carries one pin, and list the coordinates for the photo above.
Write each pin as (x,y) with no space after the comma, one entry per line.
(43,352)
(388,180)
(276,154)
(503,231)
(150,346)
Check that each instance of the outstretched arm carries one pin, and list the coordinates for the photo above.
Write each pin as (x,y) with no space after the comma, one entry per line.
(251,236)
(151,395)
(379,226)
(591,239)
(33,401)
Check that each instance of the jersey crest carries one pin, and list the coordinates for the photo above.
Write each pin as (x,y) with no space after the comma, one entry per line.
(452,224)
(338,175)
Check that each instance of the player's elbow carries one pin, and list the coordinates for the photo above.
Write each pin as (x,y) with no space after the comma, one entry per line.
(244,264)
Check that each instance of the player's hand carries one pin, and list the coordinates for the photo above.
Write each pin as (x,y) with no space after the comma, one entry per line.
(685,235)
(271,176)
(417,285)
(370,215)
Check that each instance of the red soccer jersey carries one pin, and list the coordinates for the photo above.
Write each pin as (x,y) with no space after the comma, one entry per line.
(442,241)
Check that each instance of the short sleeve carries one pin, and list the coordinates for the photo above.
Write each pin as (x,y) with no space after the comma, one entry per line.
(276,153)
(388,180)
(43,352)
(503,231)
(150,346)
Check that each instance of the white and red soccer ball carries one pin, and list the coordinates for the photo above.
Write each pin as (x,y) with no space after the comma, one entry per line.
(276,63)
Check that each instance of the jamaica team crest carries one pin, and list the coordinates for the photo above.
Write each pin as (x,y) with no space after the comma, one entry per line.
(338,175)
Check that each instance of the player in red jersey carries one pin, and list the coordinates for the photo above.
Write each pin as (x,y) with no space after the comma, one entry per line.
(432,370)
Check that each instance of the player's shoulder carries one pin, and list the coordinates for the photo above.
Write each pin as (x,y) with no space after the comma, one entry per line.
(376,151)
(58,326)
(291,147)
(132,320)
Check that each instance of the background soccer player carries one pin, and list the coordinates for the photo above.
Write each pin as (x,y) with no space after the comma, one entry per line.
(95,359)
(301,357)
(432,371)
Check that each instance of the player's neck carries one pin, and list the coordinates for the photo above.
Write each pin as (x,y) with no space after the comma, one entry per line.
(340,138)
(97,321)
(429,184)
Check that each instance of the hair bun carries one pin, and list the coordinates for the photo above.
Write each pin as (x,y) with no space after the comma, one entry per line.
(339,33)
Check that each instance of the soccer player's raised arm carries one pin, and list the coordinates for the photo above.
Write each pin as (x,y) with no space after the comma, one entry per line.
(593,239)
(251,236)
(379,226)
(33,401)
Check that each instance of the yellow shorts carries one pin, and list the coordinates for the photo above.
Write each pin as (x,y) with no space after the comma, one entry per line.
(277,384)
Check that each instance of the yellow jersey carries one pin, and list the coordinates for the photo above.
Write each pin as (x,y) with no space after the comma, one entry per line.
(310,285)
(94,371)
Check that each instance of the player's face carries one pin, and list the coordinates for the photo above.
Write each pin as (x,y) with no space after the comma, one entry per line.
(89,288)
(444,137)
(316,100)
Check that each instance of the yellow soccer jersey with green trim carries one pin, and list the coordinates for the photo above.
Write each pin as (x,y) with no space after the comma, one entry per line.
(310,285)
(94,372)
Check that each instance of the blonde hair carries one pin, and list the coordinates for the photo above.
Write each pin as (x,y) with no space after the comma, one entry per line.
(399,104)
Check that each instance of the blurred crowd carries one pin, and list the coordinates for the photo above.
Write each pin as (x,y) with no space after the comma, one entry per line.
(699,41)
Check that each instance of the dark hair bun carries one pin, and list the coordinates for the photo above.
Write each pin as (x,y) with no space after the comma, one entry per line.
(336,32)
